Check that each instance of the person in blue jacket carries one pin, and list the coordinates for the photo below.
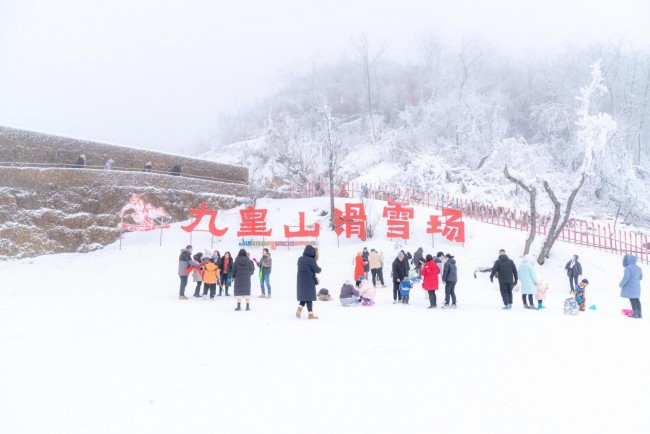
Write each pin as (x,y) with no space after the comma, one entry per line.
(631,284)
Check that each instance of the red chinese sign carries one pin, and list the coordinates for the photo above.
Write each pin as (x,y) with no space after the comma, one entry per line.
(398,217)
(302,230)
(144,215)
(253,223)
(201,212)
(353,222)
(454,228)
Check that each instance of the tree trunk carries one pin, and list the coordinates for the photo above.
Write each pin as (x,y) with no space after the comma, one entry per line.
(555,230)
(532,197)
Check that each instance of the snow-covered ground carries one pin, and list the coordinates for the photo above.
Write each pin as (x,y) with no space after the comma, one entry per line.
(100,343)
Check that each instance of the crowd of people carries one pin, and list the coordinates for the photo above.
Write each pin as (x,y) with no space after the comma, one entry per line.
(219,272)
(214,271)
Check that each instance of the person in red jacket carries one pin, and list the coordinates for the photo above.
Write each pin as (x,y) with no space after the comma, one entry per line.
(430,273)
(359,266)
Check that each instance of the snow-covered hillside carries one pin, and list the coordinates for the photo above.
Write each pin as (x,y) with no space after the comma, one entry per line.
(100,343)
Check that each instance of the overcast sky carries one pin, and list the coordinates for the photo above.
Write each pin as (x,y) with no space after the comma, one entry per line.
(155,74)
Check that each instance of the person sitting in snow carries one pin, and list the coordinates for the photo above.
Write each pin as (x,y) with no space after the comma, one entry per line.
(349,294)
(367,291)
(324,294)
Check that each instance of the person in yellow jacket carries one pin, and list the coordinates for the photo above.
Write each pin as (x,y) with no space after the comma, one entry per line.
(210,277)
(376,262)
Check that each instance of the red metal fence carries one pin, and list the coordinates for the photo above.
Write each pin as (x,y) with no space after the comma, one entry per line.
(591,234)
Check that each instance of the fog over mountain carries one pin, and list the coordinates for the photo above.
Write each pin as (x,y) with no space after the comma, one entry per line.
(159,75)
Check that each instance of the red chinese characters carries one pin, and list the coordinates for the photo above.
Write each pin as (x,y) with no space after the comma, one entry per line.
(253,223)
(353,222)
(398,217)
(201,212)
(302,230)
(454,229)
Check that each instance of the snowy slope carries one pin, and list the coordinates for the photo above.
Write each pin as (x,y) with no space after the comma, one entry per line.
(100,343)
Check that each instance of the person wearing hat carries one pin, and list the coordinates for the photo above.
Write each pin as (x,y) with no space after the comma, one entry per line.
(184,263)
(400,272)
(631,284)
(579,293)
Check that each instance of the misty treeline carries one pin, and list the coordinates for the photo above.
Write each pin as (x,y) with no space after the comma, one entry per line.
(457,115)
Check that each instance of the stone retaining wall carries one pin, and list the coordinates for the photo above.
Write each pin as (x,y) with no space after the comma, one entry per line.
(76,210)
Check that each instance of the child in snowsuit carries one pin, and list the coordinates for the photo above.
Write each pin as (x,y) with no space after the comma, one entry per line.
(541,287)
(210,276)
(405,287)
(579,294)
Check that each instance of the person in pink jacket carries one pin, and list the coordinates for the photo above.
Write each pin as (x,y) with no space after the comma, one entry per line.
(367,291)
(430,273)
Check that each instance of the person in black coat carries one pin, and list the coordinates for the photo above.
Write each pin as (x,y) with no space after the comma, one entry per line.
(417,259)
(365,254)
(506,271)
(574,271)
(225,266)
(307,280)
(400,272)
(450,277)
(242,270)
